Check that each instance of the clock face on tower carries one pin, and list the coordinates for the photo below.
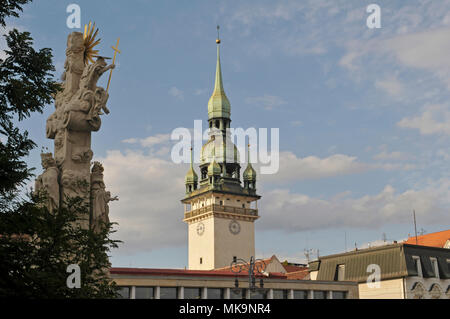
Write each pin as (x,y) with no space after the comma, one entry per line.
(235,227)
(200,229)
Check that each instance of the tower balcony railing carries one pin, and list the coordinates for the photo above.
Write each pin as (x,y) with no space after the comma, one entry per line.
(221,208)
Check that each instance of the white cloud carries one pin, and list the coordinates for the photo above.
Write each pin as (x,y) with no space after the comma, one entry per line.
(149,212)
(425,50)
(293,168)
(150,140)
(292,212)
(175,92)
(312,167)
(395,155)
(435,119)
(391,85)
(266,101)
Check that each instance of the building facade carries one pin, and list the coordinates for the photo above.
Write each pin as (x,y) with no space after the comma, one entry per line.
(405,271)
(139,283)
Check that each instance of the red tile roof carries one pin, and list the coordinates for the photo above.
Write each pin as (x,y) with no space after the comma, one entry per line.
(298,275)
(293,268)
(437,239)
(185,272)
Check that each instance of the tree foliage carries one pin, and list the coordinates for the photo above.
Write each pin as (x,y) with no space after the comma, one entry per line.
(26,86)
(36,246)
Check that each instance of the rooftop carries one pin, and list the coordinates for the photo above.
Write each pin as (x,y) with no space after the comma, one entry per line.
(438,239)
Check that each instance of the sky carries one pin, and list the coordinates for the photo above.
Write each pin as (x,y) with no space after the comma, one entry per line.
(363,115)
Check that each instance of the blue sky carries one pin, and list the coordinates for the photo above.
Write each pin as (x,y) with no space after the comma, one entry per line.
(363,114)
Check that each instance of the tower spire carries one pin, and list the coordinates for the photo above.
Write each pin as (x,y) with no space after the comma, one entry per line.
(218,104)
(191,178)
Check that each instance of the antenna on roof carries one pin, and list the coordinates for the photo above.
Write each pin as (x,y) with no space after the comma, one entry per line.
(415,225)
(345,240)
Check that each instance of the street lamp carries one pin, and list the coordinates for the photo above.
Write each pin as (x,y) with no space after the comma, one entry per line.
(254,267)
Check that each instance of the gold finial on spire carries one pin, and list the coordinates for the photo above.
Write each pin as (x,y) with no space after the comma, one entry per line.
(218,38)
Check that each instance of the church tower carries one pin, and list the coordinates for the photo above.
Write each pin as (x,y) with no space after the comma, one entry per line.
(219,210)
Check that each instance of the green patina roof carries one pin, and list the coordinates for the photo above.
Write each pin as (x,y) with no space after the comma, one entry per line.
(213,167)
(216,149)
(249,173)
(191,175)
(218,104)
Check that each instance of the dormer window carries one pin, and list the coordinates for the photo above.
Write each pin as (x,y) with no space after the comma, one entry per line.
(417,265)
(435,265)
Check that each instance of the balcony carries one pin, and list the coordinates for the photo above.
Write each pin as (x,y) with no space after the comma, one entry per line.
(221,208)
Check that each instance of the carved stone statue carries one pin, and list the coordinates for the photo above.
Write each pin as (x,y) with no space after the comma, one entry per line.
(47,183)
(78,108)
(99,198)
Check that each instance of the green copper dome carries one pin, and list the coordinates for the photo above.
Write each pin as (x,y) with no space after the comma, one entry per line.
(218,104)
(249,173)
(191,176)
(217,150)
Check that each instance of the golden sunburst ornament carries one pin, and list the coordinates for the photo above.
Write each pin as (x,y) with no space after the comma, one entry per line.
(90,42)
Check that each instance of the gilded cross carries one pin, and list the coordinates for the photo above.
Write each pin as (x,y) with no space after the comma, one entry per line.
(116,50)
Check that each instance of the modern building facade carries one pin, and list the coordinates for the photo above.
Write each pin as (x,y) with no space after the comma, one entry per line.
(405,271)
(220,284)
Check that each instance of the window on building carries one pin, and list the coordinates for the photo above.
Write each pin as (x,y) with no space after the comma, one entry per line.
(221,202)
(243,205)
(319,294)
(192,293)
(258,294)
(300,294)
(280,294)
(201,260)
(417,265)
(339,294)
(435,265)
(145,292)
(237,294)
(168,293)
(215,293)
(124,292)
(340,273)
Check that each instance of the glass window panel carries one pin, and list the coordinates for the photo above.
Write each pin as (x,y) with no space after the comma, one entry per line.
(300,294)
(318,294)
(258,294)
(168,293)
(215,293)
(124,292)
(192,293)
(145,292)
(339,294)
(237,293)
(280,294)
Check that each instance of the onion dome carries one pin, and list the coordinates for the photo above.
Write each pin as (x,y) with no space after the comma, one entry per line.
(191,176)
(249,173)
